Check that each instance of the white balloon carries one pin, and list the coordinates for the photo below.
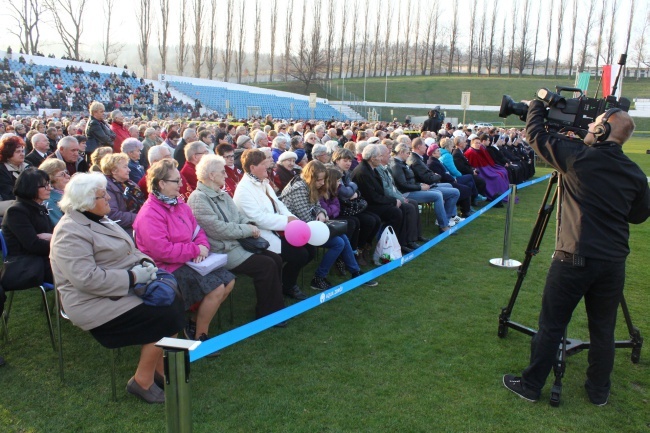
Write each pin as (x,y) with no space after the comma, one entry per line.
(320,233)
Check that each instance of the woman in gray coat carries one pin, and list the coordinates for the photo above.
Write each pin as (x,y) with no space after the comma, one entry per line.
(95,264)
(218,215)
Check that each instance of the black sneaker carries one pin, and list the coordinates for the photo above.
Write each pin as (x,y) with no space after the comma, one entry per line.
(598,401)
(340,266)
(515,385)
(190,330)
(295,293)
(203,337)
(371,283)
(320,283)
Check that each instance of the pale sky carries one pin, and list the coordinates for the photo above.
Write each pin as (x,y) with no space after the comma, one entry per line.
(125,22)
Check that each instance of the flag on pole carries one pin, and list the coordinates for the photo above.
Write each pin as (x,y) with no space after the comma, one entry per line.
(609,76)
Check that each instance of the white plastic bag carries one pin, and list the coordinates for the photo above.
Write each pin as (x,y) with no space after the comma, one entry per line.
(388,247)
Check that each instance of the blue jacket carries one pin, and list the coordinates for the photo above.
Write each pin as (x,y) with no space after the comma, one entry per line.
(448,161)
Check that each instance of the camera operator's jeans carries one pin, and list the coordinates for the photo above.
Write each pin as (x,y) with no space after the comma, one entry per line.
(444,198)
(601,284)
(337,246)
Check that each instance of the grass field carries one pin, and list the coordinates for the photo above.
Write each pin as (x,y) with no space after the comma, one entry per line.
(418,353)
(447,90)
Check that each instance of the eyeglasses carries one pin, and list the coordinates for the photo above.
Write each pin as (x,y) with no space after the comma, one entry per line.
(64,173)
(176,181)
(48,185)
(229,157)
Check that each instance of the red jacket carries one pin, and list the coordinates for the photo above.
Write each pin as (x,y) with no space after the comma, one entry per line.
(189,174)
(234,176)
(121,134)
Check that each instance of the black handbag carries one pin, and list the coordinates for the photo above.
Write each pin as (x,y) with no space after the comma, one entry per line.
(22,272)
(353,207)
(337,227)
(250,244)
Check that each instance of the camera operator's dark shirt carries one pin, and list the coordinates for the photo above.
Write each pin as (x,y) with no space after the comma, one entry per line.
(604,191)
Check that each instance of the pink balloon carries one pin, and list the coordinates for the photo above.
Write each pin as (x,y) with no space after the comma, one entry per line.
(297,233)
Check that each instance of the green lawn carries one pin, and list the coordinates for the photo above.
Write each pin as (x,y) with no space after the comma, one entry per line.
(418,353)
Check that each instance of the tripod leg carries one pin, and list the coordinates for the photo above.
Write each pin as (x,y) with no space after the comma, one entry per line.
(559,368)
(635,333)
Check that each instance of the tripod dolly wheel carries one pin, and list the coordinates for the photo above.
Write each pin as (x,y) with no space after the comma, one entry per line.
(503,330)
(636,355)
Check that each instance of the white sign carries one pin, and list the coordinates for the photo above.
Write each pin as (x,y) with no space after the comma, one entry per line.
(69,101)
(464,101)
(312,100)
(155,98)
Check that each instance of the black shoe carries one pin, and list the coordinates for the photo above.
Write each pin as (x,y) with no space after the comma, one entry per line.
(340,266)
(412,245)
(421,239)
(406,250)
(204,337)
(516,385)
(598,401)
(295,293)
(190,330)
(320,284)
(371,283)
(500,204)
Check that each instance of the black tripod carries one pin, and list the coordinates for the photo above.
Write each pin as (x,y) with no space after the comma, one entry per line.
(568,346)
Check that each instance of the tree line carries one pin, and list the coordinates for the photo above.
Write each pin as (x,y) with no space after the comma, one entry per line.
(357,38)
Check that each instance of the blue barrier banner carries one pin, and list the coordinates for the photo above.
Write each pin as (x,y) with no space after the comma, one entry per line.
(245,331)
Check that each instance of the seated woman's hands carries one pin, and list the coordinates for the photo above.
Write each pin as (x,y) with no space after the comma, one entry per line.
(256,231)
(203,253)
(143,273)
(45,236)
(321,217)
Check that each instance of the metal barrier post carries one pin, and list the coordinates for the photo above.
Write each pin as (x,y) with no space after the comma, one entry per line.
(177,383)
(505,261)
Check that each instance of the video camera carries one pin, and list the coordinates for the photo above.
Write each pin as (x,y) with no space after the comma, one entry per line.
(574,114)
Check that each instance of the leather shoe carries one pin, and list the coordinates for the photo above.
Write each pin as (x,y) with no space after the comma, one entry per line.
(152,395)
(422,239)
(295,293)
(413,245)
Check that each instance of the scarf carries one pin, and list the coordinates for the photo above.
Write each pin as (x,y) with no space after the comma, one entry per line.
(172,201)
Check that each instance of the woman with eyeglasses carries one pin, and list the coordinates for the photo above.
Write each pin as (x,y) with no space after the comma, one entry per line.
(12,164)
(167,231)
(59,178)
(27,230)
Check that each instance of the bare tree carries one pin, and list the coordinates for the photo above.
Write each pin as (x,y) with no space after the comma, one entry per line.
(344,22)
(407,42)
(241,53)
(395,52)
(287,40)
(375,47)
(303,42)
(27,14)
(573,36)
(364,44)
(143,15)
(560,26)
(612,34)
(629,28)
(481,39)
(640,53)
(353,47)
(274,32)
(110,49)
(386,51)
(427,42)
(493,27)
(418,18)
(601,25)
(549,32)
(308,63)
(257,41)
(472,34)
(453,36)
(228,52)
(532,71)
(524,54)
(197,48)
(183,45)
(502,47)
(332,16)
(585,41)
(210,54)
(511,54)
(162,33)
(68,21)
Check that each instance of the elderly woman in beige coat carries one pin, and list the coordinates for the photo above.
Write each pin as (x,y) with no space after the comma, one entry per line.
(95,264)
(218,215)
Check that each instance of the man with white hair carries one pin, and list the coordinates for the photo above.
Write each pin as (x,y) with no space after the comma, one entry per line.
(41,146)
(193,154)
(347,136)
(261,140)
(150,140)
(298,129)
(68,151)
(189,136)
(319,130)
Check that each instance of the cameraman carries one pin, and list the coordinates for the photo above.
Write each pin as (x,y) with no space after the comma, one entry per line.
(602,192)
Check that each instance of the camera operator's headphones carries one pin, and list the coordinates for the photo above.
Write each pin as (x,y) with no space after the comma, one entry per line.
(603,129)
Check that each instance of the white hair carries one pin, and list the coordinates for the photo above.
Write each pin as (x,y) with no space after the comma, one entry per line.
(277,140)
(360,146)
(80,191)
(188,133)
(66,142)
(155,154)
(193,148)
(332,145)
(371,151)
(208,164)
(320,149)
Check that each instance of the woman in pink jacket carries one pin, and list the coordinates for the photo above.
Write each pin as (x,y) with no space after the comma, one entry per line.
(166,230)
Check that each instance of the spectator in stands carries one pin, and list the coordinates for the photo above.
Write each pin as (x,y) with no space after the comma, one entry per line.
(256,200)
(321,153)
(95,265)
(194,151)
(171,141)
(445,158)
(52,138)
(495,177)
(150,140)
(319,130)
(260,140)
(167,231)
(189,136)
(462,164)
(285,170)
(68,151)
(59,178)
(97,156)
(278,146)
(233,173)
(134,131)
(12,165)
(39,126)
(133,149)
(217,214)
(117,126)
(243,142)
(349,195)
(41,146)
(125,197)
(97,131)
(301,197)
(205,137)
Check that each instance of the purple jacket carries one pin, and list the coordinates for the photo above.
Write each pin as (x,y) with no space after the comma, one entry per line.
(164,233)
(332,206)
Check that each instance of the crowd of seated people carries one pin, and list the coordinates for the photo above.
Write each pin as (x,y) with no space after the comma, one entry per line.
(236,184)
